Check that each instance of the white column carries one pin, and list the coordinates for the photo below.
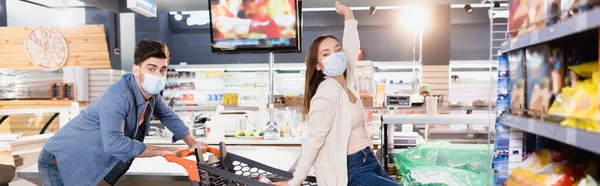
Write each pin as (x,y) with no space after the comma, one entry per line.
(127,39)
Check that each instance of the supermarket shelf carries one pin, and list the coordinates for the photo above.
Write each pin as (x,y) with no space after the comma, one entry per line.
(219,89)
(232,89)
(297,108)
(454,131)
(192,108)
(215,78)
(473,119)
(572,136)
(300,108)
(576,24)
(446,108)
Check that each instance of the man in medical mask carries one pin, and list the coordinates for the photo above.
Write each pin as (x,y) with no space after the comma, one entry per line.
(104,139)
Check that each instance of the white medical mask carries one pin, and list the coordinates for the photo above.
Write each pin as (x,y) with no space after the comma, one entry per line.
(153,84)
(335,64)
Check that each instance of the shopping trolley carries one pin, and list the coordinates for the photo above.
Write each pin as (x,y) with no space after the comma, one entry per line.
(231,169)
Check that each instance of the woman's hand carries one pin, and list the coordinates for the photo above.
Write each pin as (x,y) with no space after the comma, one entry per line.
(344,10)
(281,184)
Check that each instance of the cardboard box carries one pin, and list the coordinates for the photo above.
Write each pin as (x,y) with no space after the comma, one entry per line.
(516,61)
(539,95)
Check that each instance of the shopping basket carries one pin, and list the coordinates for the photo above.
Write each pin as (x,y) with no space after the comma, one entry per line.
(231,169)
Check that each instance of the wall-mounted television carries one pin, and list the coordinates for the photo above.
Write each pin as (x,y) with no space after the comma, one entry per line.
(255,26)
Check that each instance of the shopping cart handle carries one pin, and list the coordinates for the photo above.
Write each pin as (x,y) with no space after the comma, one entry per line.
(189,152)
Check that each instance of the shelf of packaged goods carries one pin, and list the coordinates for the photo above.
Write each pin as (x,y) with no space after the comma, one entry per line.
(219,89)
(450,119)
(296,108)
(229,89)
(215,78)
(581,22)
(571,136)
(194,108)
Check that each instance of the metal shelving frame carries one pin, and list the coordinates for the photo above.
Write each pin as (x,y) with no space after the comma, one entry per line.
(578,23)
(571,136)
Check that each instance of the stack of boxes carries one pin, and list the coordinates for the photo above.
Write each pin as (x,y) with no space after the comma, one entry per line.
(508,143)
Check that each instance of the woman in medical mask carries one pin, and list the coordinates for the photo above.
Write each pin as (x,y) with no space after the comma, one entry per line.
(338,145)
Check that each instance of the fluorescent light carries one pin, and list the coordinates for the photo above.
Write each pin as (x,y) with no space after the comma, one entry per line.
(415,17)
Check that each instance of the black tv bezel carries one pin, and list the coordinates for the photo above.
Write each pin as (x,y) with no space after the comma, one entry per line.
(286,49)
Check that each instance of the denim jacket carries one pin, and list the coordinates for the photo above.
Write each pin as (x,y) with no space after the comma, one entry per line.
(90,145)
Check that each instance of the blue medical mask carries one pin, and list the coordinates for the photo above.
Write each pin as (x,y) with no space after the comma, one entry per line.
(153,84)
(335,64)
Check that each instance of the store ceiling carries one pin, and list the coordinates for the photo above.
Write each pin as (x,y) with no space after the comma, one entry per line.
(190,5)
(56,3)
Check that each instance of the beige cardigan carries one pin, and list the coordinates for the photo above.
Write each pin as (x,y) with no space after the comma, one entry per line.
(329,123)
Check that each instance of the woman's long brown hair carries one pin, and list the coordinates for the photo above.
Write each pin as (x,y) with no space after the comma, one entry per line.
(313,76)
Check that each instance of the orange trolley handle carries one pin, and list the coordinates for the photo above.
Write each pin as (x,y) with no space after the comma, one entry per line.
(191,166)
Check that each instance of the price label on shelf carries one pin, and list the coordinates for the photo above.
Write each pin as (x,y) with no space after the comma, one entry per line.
(581,22)
(571,134)
(531,125)
(534,36)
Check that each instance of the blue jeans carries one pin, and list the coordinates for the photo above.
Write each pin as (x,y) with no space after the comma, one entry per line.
(365,169)
(48,169)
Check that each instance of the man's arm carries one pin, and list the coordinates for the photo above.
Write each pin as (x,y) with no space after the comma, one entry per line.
(170,119)
(175,124)
(152,151)
(112,123)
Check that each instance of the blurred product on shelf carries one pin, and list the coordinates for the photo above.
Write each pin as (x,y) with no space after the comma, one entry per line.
(366,99)
(517,79)
(188,97)
(556,64)
(293,100)
(526,15)
(380,94)
(557,168)
(538,79)
(62,91)
(57,91)
(455,79)
(181,86)
(580,102)
(483,103)
(456,104)
(570,7)
(529,15)
(552,11)
(278,101)
(230,99)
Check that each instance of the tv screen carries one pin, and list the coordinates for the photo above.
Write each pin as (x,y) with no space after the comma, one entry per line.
(255,26)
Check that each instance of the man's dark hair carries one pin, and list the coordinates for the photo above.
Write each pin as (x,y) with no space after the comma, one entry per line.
(148,48)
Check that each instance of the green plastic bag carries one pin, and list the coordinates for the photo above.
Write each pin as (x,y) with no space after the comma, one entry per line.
(444,163)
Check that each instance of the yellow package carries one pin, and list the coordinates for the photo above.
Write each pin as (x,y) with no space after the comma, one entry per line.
(586,69)
(562,102)
(585,107)
(526,173)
